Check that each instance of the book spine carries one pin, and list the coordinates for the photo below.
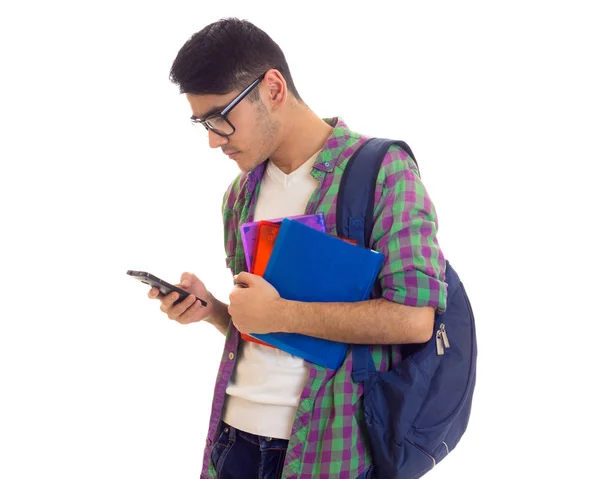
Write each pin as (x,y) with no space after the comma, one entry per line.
(376,271)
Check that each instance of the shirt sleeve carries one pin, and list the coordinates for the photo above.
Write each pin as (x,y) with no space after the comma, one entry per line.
(405,231)
(228,210)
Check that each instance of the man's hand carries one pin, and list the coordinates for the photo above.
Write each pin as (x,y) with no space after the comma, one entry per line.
(189,310)
(255,305)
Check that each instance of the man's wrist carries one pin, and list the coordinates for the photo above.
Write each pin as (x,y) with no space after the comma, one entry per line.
(285,314)
(213,304)
(219,314)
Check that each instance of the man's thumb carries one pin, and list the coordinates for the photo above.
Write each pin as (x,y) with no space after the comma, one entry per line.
(243,278)
(187,279)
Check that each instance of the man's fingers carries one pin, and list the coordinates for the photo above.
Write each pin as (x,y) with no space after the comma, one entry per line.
(241,280)
(181,308)
(153,293)
(188,316)
(167,301)
(184,311)
(244,279)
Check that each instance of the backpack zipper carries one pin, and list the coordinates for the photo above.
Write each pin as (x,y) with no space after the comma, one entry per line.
(441,340)
(473,361)
(444,335)
(439,343)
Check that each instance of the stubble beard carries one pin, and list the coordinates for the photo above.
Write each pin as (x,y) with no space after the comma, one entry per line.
(266,129)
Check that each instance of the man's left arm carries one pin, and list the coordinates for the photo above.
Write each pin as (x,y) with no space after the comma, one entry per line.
(405,231)
(376,321)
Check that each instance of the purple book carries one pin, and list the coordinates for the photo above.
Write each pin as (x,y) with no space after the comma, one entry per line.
(248,230)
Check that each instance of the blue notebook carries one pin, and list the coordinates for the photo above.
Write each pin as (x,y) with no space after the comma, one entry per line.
(312,266)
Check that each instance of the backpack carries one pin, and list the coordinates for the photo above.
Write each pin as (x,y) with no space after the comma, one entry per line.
(416,412)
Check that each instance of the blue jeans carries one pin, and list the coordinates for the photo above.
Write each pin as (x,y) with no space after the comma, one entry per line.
(241,455)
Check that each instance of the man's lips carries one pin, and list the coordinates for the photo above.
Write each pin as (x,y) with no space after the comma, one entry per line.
(231,154)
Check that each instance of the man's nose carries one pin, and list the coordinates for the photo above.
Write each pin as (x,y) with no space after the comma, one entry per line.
(216,141)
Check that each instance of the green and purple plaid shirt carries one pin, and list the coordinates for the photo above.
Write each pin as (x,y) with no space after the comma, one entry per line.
(328,437)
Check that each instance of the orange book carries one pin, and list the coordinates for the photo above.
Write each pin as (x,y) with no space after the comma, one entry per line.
(254,340)
(348,240)
(266,236)
(265,240)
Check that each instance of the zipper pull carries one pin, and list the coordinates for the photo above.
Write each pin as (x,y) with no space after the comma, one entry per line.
(444,335)
(439,343)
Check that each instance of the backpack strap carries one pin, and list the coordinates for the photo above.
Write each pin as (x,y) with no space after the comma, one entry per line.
(354,218)
(356,197)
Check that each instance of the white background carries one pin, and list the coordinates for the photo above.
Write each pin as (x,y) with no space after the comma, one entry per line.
(101,172)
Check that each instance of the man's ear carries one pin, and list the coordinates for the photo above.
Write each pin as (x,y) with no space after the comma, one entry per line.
(274,91)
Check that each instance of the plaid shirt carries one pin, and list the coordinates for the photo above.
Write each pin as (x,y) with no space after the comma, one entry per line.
(328,437)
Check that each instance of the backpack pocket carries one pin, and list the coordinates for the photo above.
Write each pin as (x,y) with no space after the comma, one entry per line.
(417,412)
(392,401)
(446,410)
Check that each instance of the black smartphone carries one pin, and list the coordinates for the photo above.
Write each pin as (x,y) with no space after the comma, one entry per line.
(164,287)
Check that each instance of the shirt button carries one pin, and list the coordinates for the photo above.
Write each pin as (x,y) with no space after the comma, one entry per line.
(327,164)
(231,355)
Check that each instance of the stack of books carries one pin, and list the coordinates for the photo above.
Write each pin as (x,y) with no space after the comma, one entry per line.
(304,263)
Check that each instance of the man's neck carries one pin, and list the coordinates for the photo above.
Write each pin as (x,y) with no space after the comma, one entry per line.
(303,135)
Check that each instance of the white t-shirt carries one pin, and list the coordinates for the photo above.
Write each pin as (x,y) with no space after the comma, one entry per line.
(263,393)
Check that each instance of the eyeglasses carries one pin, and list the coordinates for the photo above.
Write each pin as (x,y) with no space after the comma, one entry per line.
(218,122)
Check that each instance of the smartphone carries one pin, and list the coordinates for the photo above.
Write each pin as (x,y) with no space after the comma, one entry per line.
(164,287)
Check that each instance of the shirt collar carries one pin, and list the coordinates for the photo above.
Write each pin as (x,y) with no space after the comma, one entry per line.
(339,140)
(332,153)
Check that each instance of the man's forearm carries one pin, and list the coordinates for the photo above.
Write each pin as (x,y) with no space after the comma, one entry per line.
(220,318)
(377,321)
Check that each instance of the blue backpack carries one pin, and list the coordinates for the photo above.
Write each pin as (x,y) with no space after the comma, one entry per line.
(416,412)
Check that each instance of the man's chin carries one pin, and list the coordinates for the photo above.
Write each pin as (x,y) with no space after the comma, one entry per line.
(244,167)
(239,161)
(247,167)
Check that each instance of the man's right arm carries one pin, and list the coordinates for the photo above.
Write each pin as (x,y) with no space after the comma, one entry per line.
(220,317)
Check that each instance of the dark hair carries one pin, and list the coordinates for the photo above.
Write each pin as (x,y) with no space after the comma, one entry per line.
(225,56)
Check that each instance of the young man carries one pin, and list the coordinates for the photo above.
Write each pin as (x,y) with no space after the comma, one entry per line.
(273,414)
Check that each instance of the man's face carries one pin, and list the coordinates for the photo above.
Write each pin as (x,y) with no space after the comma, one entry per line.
(254,138)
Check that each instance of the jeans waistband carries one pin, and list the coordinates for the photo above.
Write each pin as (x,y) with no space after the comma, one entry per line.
(262,442)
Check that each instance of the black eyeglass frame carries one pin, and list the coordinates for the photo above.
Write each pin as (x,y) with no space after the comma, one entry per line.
(225,111)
